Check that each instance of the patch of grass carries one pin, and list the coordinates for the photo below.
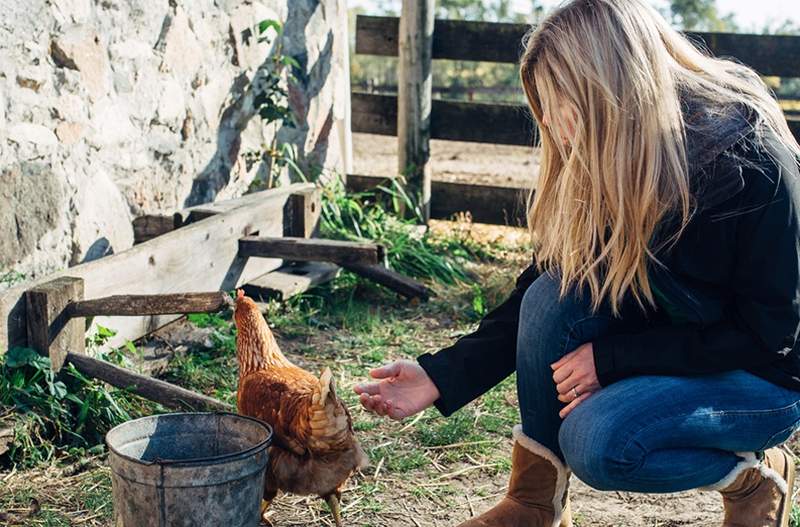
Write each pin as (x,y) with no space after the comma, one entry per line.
(377,216)
(66,414)
(457,428)
(794,517)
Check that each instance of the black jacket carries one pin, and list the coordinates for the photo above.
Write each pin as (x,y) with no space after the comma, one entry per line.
(734,274)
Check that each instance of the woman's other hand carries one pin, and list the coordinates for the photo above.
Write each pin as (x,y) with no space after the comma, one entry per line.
(403,389)
(573,374)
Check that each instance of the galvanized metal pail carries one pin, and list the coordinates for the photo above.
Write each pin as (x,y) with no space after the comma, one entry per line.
(188,469)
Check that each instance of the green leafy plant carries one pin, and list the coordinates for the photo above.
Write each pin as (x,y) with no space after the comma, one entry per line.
(271,101)
(67,412)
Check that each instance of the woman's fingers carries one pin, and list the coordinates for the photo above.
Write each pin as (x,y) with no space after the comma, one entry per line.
(571,406)
(371,388)
(562,374)
(563,360)
(386,371)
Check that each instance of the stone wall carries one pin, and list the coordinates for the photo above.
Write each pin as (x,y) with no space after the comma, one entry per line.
(110,109)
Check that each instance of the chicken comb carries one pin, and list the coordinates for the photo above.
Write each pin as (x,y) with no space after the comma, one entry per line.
(239,294)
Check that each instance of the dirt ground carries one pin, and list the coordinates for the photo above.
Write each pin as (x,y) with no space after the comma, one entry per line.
(453,161)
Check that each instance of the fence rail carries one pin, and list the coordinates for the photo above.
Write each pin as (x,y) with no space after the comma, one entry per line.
(502,42)
(505,124)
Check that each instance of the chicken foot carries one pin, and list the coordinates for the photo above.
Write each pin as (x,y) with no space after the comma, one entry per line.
(333,503)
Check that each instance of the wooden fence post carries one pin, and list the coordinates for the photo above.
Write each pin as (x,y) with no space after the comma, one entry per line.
(51,330)
(414,83)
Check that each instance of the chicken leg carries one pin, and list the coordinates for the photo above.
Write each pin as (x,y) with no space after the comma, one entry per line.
(333,503)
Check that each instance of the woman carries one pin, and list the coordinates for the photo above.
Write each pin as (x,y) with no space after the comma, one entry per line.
(654,337)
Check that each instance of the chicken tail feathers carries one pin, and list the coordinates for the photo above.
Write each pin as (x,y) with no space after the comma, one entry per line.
(329,420)
(327,387)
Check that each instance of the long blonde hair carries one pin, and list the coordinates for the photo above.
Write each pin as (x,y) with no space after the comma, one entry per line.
(620,69)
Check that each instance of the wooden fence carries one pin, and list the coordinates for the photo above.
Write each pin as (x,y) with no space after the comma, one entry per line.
(511,124)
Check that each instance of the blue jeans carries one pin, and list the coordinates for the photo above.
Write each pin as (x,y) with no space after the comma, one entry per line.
(641,434)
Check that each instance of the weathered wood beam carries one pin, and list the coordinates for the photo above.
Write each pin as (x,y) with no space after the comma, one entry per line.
(414,83)
(51,331)
(140,305)
(310,250)
(506,124)
(199,257)
(502,42)
(156,390)
(301,214)
(151,226)
(290,280)
(397,282)
(485,203)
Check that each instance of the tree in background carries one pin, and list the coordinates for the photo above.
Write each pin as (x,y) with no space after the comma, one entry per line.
(494,11)
(700,15)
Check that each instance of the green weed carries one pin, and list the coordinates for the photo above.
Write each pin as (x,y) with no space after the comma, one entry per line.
(67,412)
(377,216)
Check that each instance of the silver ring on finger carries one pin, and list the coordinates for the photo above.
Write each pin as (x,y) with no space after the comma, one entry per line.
(575,392)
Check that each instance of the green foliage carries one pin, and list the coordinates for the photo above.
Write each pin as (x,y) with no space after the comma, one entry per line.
(67,412)
(9,278)
(700,15)
(376,216)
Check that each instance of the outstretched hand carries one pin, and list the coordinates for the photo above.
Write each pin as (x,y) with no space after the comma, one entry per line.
(575,373)
(403,389)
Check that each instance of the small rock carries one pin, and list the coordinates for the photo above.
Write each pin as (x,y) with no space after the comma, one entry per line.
(162,140)
(80,49)
(171,104)
(182,53)
(31,84)
(69,133)
(70,107)
(112,124)
(32,133)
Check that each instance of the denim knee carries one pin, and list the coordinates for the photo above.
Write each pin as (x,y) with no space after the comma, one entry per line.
(598,451)
(546,322)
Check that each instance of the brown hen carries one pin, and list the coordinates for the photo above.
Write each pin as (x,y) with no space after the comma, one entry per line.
(314,449)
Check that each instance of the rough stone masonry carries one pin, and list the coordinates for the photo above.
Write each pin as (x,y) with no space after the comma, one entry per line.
(110,109)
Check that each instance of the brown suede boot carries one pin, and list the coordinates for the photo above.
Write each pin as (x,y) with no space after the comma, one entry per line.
(537,492)
(758,492)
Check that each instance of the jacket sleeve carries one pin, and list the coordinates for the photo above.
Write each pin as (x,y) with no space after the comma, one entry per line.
(764,316)
(478,361)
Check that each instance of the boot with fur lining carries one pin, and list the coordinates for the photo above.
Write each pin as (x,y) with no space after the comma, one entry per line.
(758,491)
(538,492)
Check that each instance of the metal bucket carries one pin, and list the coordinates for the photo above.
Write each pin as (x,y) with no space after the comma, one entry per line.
(188,469)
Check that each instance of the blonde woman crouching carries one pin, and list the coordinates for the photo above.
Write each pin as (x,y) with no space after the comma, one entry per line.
(655,335)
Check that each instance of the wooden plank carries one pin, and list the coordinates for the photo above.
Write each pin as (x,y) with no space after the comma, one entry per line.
(156,390)
(196,258)
(507,124)
(485,203)
(151,226)
(310,250)
(200,212)
(414,83)
(290,280)
(302,214)
(504,124)
(502,42)
(393,280)
(51,332)
(140,305)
